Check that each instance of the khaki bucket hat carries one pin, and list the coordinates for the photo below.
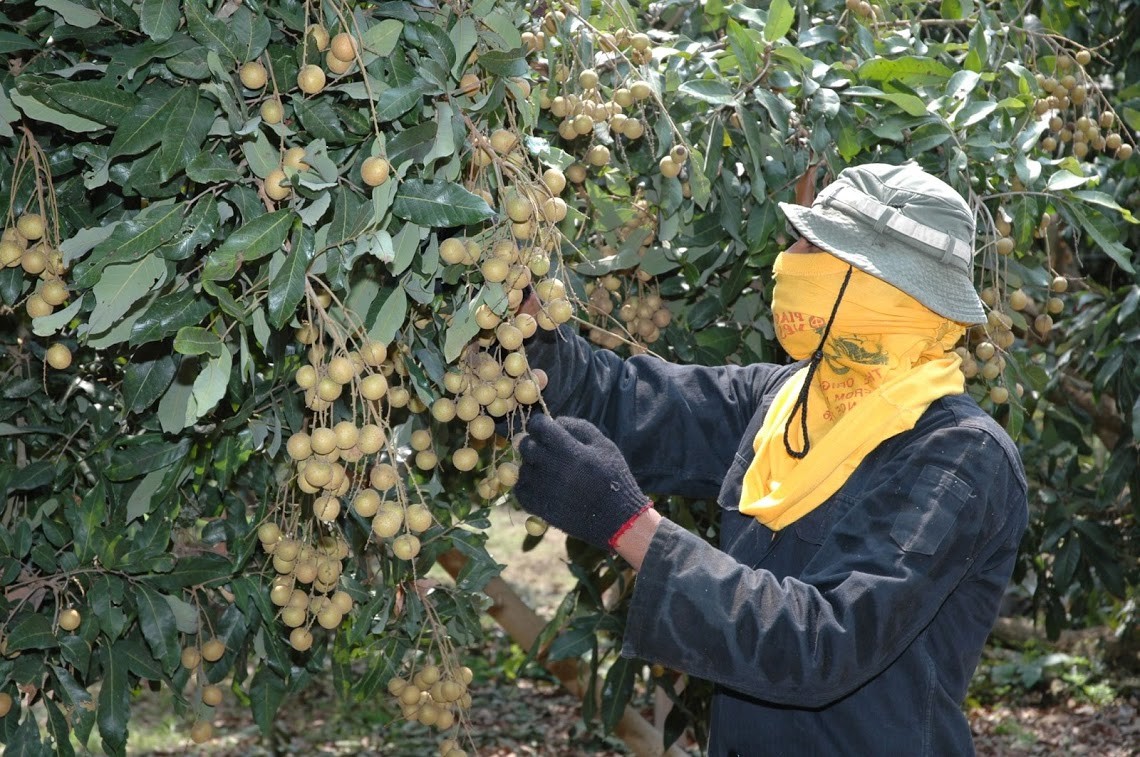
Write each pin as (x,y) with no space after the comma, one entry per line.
(903,226)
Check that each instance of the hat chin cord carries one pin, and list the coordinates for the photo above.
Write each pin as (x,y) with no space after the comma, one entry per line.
(800,405)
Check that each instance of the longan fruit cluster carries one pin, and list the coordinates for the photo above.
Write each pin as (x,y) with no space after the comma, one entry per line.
(305,587)
(1074,122)
(643,312)
(26,244)
(210,695)
(588,110)
(433,696)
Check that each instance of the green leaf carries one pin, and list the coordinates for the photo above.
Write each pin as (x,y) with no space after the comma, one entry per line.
(158,625)
(439,204)
(188,122)
(912,105)
(100,101)
(251,32)
(185,614)
(212,32)
(130,240)
(144,382)
(114,704)
(505,63)
(1104,234)
(320,120)
(158,19)
(143,454)
(380,39)
(288,285)
(205,568)
(143,127)
(32,631)
(38,111)
(120,287)
(912,70)
(212,168)
(460,331)
(617,689)
(195,340)
(1064,179)
(395,102)
(168,314)
(708,90)
(266,693)
(10,42)
(781,16)
(210,386)
(256,239)
(1105,201)
(73,13)
(391,317)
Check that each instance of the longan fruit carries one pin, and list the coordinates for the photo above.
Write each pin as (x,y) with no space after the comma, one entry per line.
(418,518)
(375,171)
(253,75)
(406,546)
(70,619)
(31,226)
(58,356)
(343,47)
(213,650)
(191,657)
(212,695)
(276,185)
(272,112)
(311,79)
(201,732)
(320,36)
(300,639)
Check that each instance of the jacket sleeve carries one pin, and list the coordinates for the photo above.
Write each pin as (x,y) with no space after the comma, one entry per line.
(677,426)
(876,582)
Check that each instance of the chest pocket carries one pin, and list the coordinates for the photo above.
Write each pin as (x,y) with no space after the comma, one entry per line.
(936,501)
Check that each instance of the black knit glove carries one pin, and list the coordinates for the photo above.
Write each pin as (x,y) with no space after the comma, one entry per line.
(576,479)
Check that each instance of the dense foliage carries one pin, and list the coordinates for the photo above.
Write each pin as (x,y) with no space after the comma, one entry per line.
(261,261)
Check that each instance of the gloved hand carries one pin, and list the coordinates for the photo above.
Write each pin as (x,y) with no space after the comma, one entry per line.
(576,479)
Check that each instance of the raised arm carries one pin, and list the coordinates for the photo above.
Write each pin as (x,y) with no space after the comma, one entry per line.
(677,426)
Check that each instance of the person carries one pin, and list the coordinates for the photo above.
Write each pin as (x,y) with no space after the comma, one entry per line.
(870,510)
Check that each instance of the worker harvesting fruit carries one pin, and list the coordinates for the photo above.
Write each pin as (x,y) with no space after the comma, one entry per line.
(870,510)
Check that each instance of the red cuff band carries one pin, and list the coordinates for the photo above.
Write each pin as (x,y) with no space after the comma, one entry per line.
(628,524)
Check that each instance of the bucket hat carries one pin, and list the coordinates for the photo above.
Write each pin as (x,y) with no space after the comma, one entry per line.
(901,225)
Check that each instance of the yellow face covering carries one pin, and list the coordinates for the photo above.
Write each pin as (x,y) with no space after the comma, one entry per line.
(887,357)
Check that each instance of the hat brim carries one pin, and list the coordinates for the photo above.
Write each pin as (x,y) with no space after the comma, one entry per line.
(947,292)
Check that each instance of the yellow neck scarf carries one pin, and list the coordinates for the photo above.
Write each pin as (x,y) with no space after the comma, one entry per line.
(887,357)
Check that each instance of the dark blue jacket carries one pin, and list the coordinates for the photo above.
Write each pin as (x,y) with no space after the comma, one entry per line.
(855,630)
